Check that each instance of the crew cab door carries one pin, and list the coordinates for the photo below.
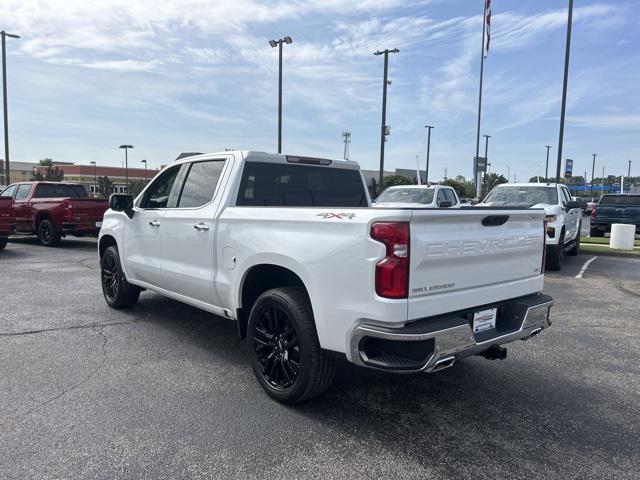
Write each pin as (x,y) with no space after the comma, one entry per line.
(189,233)
(22,209)
(142,234)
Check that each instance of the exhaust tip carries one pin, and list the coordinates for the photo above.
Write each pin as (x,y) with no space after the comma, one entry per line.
(444,363)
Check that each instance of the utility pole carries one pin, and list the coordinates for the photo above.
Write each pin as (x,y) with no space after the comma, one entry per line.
(476,176)
(593,171)
(278,43)
(126,164)
(346,135)
(546,169)
(426,171)
(629,177)
(384,130)
(602,191)
(564,90)
(7,168)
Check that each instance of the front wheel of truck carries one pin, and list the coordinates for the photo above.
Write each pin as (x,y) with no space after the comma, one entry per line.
(117,292)
(283,345)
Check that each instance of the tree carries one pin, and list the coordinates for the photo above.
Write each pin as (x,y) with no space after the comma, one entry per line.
(394,180)
(136,186)
(491,180)
(51,174)
(463,188)
(105,186)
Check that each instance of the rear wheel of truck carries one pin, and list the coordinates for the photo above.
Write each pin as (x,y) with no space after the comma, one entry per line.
(117,292)
(3,243)
(283,345)
(47,234)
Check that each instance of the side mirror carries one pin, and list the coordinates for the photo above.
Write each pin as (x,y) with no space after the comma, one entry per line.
(572,204)
(121,202)
(444,204)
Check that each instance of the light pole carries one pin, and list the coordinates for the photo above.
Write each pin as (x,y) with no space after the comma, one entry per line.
(384,131)
(7,169)
(564,90)
(602,191)
(95,177)
(145,170)
(346,135)
(126,164)
(593,170)
(546,169)
(629,177)
(426,172)
(274,44)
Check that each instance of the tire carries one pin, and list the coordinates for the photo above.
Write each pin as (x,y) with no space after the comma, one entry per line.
(118,293)
(554,252)
(47,234)
(576,244)
(3,243)
(283,345)
(594,232)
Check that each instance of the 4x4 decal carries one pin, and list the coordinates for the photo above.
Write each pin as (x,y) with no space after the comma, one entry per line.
(339,216)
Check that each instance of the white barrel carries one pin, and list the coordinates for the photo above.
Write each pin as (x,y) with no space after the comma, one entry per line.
(622,236)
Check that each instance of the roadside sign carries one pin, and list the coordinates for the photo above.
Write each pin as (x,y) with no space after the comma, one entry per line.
(480,163)
(568,168)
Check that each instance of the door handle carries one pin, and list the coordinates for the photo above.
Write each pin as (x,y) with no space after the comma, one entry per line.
(154,224)
(201,227)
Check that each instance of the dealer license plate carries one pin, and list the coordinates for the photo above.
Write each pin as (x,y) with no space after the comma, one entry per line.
(98,224)
(484,320)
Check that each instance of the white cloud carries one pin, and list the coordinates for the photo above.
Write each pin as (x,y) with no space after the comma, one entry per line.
(620,121)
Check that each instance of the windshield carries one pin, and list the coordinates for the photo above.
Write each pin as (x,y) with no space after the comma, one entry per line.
(620,200)
(407,195)
(523,195)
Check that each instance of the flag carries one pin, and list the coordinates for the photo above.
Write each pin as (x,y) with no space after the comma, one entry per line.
(487,19)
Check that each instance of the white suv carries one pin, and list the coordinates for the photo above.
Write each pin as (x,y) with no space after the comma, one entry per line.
(562,214)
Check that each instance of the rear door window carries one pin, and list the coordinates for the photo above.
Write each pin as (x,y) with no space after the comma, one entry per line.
(288,185)
(441,197)
(201,183)
(449,195)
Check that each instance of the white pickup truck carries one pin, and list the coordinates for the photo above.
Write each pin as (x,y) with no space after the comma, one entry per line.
(290,248)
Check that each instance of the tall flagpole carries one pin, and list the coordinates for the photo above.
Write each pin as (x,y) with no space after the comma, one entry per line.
(476,177)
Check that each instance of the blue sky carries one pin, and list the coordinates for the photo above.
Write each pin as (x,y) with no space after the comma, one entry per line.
(178,76)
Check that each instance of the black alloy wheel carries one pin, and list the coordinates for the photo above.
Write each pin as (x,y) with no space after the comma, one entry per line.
(275,342)
(110,278)
(117,292)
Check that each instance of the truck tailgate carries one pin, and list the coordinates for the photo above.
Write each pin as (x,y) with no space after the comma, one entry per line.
(88,209)
(474,256)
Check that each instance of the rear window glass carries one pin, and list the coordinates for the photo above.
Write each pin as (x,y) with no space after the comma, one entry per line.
(50,190)
(23,191)
(407,195)
(522,196)
(285,185)
(620,200)
(201,183)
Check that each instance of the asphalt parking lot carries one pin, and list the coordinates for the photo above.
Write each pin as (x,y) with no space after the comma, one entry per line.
(165,391)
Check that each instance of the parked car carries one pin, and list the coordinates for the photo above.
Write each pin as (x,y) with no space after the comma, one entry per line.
(562,214)
(288,248)
(52,210)
(592,205)
(7,219)
(435,196)
(615,208)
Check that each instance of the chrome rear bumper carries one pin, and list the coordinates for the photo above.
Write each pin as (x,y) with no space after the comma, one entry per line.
(434,343)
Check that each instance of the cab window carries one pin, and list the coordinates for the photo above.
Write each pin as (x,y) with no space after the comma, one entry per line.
(9,191)
(157,195)
(441,197)
(201,182)
(449,195)
(23,191)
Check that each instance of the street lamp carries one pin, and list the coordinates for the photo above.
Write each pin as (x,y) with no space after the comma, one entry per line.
(126,164)
(593,171)
(426,171)
(7,175)
(95,178)
(546,169)
(384,130)
(274,44)
(145,170)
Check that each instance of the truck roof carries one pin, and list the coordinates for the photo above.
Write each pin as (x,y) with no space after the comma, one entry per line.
(259,156)
(528,184)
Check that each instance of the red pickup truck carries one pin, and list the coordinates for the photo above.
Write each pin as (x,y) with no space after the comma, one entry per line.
(7,220)
(52,210)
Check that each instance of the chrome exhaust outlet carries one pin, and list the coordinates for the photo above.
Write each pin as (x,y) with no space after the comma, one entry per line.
(444,363)
(534,332)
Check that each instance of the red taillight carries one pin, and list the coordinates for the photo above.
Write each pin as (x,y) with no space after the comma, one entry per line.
(392,272)
(68,211)
(593,211)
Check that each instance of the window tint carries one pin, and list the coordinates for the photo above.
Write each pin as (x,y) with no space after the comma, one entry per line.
(50,190)
(78,191)
(157,196)
(272,184)
(23,191)
(441,197)
(522,195)
(449,195)
(9,191)
(201,183)
(407,195)
(620,200)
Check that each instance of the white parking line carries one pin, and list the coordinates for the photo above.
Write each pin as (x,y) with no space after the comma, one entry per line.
(585,266)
